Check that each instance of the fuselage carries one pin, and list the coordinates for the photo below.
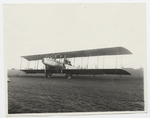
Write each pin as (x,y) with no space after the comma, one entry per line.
(54,64)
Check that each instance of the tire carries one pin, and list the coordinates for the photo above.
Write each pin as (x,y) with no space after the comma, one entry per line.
(49,75)
(68,76)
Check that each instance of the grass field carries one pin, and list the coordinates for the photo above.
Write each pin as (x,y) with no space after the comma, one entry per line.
(35,94)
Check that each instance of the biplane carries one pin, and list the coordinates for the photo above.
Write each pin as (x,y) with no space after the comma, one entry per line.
(59,62)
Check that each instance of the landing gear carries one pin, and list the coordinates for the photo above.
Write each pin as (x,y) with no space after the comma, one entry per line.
(68,75)
(48,75)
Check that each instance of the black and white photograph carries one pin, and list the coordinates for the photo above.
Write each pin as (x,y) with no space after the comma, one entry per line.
(75,58)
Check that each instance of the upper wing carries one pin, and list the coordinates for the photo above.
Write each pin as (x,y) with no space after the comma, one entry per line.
(83,71)
(82,53)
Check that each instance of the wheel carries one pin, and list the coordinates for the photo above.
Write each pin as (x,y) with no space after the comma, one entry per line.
(45,76)
(49,75)
(68,76)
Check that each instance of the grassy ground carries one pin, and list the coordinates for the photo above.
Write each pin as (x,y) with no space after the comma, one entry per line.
(35,94)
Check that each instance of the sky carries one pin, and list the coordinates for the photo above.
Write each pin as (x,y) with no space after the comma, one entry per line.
(44,28)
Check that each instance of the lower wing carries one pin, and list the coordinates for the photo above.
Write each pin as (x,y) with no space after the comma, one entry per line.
(82,71)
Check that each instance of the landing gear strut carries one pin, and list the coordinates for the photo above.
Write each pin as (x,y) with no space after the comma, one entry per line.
(49,75)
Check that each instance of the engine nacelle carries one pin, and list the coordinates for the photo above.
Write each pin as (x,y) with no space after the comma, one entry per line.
(52,63)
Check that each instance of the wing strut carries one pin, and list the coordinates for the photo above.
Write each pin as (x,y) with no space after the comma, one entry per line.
(28,63)
(35,64)
(45,72)
(121,60)
(88,62)
(103,61)
(98,60)
(74,61)
(20,63)
(20,67)
(37,61)
(116,58)
(81,61)
(116,66)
